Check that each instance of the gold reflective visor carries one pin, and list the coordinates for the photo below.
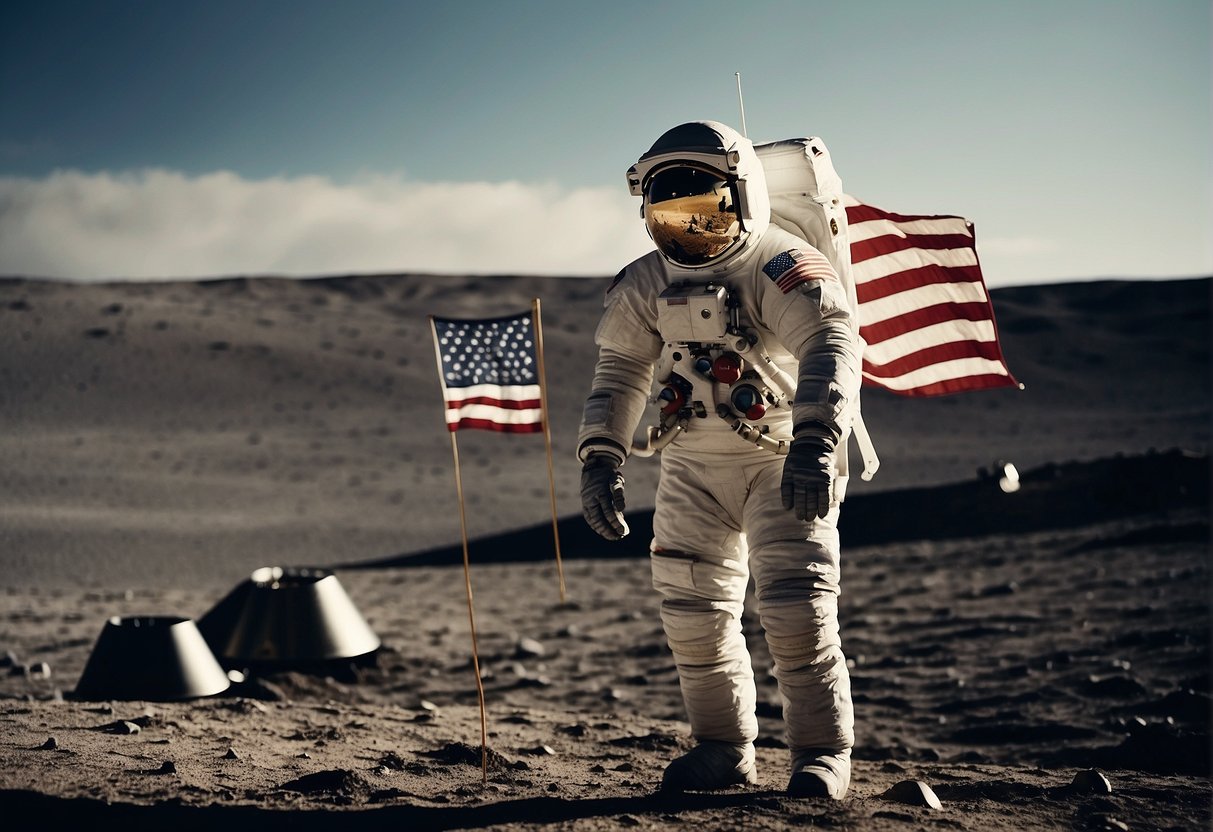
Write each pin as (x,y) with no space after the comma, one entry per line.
(692,214)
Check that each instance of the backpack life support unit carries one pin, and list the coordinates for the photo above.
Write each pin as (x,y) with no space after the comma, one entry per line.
(807,200)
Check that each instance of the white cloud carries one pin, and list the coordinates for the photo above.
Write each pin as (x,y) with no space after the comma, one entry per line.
(163,224)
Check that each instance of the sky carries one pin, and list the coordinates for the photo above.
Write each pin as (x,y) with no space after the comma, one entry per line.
(147,139)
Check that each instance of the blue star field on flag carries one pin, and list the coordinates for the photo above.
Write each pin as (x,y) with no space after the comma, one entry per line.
(490,373)
(495,351)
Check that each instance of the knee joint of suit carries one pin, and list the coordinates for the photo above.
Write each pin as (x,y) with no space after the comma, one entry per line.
(702,602)
(801,628)
(698,630)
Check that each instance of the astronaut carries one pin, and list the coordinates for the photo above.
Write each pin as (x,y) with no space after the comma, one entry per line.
(749,334)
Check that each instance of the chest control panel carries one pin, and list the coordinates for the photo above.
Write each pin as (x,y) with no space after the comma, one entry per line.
(693,313)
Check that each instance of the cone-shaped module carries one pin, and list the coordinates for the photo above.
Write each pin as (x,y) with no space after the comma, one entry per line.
(156,658)
(281,616)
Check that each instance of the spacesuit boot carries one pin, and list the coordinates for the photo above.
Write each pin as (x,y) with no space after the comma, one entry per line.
(711,765)
(820,772)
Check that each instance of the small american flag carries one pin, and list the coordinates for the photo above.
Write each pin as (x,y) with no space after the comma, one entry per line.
(490,373)
(791,268)
(923,307)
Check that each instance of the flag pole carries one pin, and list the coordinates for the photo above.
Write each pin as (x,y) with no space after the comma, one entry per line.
(547,439)
(467,580)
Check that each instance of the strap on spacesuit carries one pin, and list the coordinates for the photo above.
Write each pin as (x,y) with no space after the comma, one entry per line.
(871,463)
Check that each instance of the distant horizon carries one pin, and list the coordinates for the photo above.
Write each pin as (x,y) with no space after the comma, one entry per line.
(511,276)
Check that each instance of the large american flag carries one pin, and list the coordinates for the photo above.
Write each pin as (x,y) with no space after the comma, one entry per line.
(490,373)
(923,307)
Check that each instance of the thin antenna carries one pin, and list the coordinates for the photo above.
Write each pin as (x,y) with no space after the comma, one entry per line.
(741,104)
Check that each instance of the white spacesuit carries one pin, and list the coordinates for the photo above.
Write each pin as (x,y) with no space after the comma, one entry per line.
(748,330)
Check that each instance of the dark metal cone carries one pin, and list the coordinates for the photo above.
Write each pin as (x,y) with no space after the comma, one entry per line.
(280,617)
(155,658)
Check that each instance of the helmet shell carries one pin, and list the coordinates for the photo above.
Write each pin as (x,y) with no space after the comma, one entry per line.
(712,193)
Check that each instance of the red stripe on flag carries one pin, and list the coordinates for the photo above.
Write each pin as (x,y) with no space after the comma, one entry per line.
(864,213)
(897,282)
(504,404)
(964,384)
(934,355)
(919,318)
(489,424)
(889,243)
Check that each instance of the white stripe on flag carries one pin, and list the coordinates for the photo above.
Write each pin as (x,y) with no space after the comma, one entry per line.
(920,297)
(491,413)
(943,371)
(900,261)
(929,336)
(868,229)
(513,392)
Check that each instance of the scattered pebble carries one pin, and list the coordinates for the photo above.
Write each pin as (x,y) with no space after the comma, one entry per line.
(169,767)
(913,793)
(1091,781)
(528,648)
(41,670)
(124,726)
(232,754)
(392,762)
(51,744)
(9,659)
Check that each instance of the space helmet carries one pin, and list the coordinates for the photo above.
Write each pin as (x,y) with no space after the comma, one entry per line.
(705,194)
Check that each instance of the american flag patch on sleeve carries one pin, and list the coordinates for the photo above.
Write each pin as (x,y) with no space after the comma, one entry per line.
(794,267)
